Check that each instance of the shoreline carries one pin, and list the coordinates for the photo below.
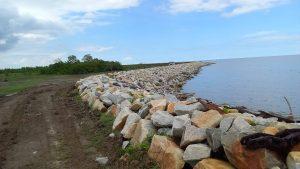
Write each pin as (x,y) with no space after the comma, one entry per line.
(147,103)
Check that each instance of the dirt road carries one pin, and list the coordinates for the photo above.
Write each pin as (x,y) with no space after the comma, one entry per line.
(38,129)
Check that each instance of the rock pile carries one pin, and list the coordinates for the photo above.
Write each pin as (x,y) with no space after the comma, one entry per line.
(183,132)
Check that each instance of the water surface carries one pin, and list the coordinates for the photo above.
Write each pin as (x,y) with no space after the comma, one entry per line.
(257,83)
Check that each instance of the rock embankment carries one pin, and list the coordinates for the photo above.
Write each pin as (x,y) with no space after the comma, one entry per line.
(183,132)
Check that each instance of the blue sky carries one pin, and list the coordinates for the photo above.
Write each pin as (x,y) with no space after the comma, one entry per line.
(142,31)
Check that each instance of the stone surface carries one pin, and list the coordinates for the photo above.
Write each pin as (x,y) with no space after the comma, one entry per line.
(102,160)
(144,111)
(179,124)
(111,135)
(166,153)
(270,130)
(106,101)
(241,125)
(226,123)
(112,110)
(243,158)
(180,109)
(165,131)
(211,163)
(293,160)
(130,125)
(162,119)
(196,113)
(125,144)
(214,138)
(158,105)
(121,118)
(143,130)
(98,105)
(171,106)
(196,152)
(207,119)
(192,134)
(136,105)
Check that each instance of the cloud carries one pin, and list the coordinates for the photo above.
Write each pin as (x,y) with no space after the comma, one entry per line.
(35,20)
(271,36)
(225,7)
(97,49)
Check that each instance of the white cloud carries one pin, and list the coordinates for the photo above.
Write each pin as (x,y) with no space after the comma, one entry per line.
(271,36)
(97,49)
(226,7)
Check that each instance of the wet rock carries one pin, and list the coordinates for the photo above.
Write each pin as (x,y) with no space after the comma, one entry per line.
(143,130)
(162,119)
(196,152)
(211,163)
(293,160)
(166,153)
(158,105)
(214,138)
(207,119)
(187,109)
(130,125)
(179,124)
(121,118)
(192,134)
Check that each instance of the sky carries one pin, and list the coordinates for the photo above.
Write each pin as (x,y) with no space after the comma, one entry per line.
(36,32)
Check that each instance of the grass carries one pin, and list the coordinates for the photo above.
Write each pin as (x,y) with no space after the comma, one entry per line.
(16,82)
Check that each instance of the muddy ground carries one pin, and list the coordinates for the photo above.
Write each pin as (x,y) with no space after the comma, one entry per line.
(47,127)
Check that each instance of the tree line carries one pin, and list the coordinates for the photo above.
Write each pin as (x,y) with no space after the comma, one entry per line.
(88,64)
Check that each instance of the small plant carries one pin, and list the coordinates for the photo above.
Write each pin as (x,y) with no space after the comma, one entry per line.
(252,123)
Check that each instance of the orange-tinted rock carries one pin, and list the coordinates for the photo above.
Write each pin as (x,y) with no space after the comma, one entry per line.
(270,130)
(211,163)
(243,158)
(207,119)
(166,153)
(158,105)
(113,109)
(171,106)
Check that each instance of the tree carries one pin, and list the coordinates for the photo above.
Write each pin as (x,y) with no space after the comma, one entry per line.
(87,58)
(58,60)
(72,59)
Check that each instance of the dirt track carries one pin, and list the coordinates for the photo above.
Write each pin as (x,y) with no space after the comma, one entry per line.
(38,129)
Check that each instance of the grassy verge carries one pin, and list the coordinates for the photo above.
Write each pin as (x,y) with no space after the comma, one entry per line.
(17,82)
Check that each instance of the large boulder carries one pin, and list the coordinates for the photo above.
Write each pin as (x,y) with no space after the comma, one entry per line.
(214,138)
(130,125)
(179,124)
(226,123)
(207,119)
(187,109)
(104,98)
(121,118)
(210,163)
(196,152)
(166,153)
(293,160)
(162,119)
(98,105)
(171,106)
(144,110)
(243,158)
(240,125)
(158,105)
(143,129)
(113,110)
(192,134)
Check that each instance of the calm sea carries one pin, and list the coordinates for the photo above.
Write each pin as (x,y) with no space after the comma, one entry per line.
(257,83)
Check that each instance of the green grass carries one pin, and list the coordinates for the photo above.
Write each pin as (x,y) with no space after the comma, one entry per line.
(17,82)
